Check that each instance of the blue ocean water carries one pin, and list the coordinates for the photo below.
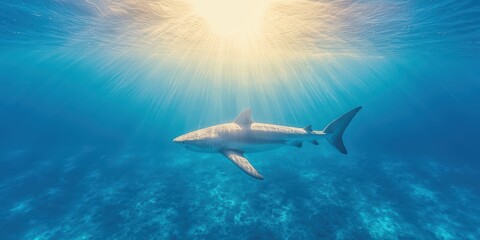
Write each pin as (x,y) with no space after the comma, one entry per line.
(93,92)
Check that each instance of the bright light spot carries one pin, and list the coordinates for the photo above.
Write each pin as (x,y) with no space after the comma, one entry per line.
(232,18)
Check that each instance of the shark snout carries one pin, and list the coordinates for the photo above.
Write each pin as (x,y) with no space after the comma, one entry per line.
(180,140)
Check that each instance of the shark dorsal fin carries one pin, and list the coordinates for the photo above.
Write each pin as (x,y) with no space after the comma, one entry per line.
(308,128)
(244,118)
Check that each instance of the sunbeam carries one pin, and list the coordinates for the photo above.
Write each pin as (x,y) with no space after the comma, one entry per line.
(245,42)
(175,54)
(206,51)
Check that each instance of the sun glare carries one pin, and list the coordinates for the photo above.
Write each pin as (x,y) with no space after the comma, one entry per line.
(237,44)
(232,18)
(230,51)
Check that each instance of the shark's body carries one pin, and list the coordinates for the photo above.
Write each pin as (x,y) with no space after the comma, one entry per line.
(243,136)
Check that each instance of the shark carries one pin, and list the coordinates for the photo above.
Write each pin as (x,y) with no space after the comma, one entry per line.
(243,135)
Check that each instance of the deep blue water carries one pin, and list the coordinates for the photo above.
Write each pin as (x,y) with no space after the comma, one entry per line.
(93,92)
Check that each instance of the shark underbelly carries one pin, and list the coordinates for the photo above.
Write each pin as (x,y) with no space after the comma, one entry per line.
(259,144)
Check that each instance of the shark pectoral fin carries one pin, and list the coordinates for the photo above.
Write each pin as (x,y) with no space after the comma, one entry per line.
(241,162)
(297,144)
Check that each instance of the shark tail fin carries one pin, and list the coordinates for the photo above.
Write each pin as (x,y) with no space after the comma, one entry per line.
(336,129)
